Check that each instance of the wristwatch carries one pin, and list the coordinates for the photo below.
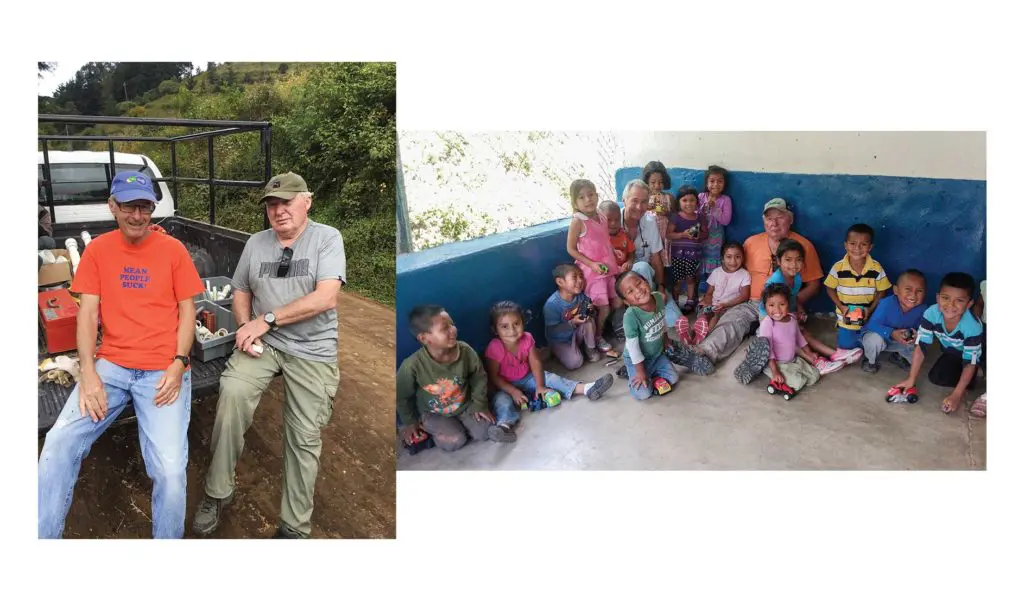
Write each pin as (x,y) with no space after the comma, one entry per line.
(270,320)
(183,358)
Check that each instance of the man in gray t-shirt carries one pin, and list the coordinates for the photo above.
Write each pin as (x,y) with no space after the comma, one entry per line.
(286,292)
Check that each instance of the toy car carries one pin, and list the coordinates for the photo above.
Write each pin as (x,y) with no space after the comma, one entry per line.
(855,315)
(660,386)
(909,336)
(584,308)
(552,398)
(787,391)
(705,310)
(421,441)
(897,394)
(536,404)
(694,231)
(601,267)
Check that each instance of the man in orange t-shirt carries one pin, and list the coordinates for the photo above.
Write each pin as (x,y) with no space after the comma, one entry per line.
(759,259)
(146,281)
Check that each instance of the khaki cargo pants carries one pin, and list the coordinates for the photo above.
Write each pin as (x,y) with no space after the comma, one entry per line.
(309,389)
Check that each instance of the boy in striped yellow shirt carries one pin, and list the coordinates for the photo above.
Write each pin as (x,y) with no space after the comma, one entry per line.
(856,282)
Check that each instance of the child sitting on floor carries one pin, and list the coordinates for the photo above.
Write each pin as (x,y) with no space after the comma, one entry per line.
(687,231)
(858,280)
(959,335)
(979,407)
(728,286)
(442,388)
(893,324)
(568,318)
(790,255)
(790,358)
(589,243)
(514,367)
(622,245)
(644,324)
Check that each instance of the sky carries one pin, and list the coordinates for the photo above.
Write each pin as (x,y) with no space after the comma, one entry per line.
(66,70)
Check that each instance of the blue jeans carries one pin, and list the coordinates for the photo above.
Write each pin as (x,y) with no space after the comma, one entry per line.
(658,366)
(848,339)
(163,436)
(505,410)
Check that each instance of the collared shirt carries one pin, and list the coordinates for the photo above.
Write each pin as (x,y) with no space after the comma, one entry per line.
(647,239)
(965,339)
(856,288)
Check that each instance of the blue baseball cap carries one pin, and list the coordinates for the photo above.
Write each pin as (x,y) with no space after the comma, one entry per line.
(132,185)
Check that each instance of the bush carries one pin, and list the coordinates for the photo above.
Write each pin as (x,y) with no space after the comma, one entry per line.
(167,87)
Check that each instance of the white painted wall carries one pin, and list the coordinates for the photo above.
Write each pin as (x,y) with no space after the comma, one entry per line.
(952,155)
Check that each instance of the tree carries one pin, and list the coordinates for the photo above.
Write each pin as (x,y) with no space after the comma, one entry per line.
(282,68)
(46,68)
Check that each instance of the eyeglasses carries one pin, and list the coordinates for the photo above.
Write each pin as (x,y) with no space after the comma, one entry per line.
(145,209)
(284,263)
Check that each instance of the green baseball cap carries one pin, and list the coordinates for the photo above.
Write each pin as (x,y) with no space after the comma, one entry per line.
(285,186)
(776,203)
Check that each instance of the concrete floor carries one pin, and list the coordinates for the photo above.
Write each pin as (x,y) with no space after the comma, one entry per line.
(713,422)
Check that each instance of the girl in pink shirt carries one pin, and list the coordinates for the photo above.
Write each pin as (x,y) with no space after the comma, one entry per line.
(590,244)
(514,368)
(790,360)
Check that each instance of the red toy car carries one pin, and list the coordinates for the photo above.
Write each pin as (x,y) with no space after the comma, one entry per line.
(897,394)
(776,387)
(421,441)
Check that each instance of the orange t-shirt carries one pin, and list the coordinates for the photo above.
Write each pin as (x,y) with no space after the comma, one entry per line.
(139,287)
(622,245)
(758,261)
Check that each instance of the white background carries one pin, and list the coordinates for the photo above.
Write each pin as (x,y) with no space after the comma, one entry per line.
(780,66)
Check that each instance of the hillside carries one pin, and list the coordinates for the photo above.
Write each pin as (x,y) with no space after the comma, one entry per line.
(333,123)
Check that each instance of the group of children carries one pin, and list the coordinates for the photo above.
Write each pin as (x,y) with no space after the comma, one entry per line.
(445,389)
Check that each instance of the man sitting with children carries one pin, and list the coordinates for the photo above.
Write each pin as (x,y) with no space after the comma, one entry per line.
(759,289)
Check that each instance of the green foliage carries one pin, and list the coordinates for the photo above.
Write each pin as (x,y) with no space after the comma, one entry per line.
(334,124)
(168,86)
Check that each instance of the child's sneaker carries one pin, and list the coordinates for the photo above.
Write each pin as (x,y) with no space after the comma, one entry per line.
(899,361)
(755,362)
(701,328)
(501,433)
(600,386)
(690,359)
(847,356)
(603,345)
(868,366)
(826,367)
(683,330)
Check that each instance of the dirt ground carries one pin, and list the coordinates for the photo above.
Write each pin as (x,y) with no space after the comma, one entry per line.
(355,489)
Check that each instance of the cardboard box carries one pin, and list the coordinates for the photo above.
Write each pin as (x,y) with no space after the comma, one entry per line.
(56,273)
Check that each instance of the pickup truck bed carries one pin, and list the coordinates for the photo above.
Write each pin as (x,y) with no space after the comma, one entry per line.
(215,251)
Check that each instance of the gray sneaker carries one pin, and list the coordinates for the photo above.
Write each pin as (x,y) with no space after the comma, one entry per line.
(899,361)
(755,362)
(286,532)
(208,516)
(690,359)
(868,366)
(501,433)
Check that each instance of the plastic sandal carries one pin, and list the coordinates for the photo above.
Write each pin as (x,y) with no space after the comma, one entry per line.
(978,407)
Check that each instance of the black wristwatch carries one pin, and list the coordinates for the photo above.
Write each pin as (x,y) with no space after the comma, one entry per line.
(271,320)
(183,358)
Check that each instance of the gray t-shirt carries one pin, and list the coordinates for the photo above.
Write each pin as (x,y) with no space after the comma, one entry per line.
(318,254)
(647,240)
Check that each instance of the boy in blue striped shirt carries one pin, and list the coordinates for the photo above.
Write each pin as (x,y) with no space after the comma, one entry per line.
(959,334)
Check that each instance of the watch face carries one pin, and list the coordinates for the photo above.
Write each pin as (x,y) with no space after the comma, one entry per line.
(269,318)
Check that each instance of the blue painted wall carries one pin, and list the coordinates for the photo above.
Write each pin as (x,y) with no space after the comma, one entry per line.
(935,225)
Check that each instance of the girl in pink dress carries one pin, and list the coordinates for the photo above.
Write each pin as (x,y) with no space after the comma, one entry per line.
(657,179)
(589,243)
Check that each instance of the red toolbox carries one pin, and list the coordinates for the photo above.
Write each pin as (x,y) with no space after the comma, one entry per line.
(58,317)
